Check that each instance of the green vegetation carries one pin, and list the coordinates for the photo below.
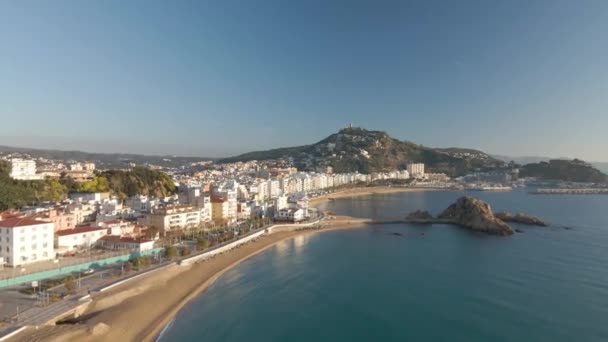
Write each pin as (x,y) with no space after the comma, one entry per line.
(564,170)
(124,184)
(171,252)
(17,193)
(202,243)
(70,284)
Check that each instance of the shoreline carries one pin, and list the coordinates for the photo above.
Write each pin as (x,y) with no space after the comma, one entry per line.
(111,315)
(157,298)
(155,334)
(367,191)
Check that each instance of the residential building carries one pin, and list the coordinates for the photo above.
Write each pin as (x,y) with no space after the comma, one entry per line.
(416,170)
(62,219)
(24,169)
(243,211)
(79,237)
(290,215)
(173,217)
(25,240)
(89,197)
(222,213)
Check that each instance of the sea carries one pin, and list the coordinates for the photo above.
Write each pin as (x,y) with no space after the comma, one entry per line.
(405,282)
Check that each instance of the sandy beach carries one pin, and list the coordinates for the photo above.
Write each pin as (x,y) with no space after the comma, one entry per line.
(139,310)
(364,191)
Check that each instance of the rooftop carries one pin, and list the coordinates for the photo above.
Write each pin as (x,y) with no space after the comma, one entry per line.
(20,222)
(79,230)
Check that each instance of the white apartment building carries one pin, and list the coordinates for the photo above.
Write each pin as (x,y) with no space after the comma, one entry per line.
(173,217)
(263,192)
(24,169)
(25,240)
(86,197)
(80,237)
(274,188)
(319,182)
(281,202)
(416,170)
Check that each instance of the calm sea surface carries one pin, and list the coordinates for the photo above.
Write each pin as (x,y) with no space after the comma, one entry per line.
(438,283)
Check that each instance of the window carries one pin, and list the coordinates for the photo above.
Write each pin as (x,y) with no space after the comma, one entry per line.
(22,249)
(34,246)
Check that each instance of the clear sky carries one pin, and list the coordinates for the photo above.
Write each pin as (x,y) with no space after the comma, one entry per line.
(216,78)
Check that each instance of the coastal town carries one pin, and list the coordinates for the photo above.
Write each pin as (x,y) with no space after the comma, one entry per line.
(51,251)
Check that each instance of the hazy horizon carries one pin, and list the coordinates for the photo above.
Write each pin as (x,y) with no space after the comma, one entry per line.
(220,78)
(96,148)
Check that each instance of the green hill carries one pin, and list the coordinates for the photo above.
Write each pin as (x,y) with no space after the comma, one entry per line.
(18,193)
(564,170)
(358,149)
(123,184)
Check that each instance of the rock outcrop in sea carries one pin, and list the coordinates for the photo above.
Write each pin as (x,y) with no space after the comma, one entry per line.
(521,218)
(421,216)
(476,215)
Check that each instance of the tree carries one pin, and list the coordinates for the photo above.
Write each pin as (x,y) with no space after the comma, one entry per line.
(138,261)
(171,252)
(202,243)
(70,284)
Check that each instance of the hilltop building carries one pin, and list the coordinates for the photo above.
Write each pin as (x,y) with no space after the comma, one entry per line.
(24,169)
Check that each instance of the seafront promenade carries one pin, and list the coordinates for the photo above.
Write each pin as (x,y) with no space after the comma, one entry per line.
(76,304)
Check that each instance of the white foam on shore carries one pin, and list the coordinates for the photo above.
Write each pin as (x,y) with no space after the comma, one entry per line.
(162,332)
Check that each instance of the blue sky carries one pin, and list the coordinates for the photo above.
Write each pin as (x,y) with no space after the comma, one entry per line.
(215,78)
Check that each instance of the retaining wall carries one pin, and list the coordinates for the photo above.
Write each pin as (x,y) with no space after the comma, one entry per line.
(73,268)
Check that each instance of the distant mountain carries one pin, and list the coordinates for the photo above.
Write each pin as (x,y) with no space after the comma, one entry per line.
(104,160)
(521,160)
(602,166)
(564,170)
(358,149)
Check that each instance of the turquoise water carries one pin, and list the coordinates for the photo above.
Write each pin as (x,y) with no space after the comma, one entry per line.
(437,283)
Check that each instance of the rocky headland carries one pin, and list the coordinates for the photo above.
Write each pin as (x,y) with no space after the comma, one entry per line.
(476,215)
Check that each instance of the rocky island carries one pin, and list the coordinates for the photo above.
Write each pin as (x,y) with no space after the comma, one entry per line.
(476,215)
(521,218)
